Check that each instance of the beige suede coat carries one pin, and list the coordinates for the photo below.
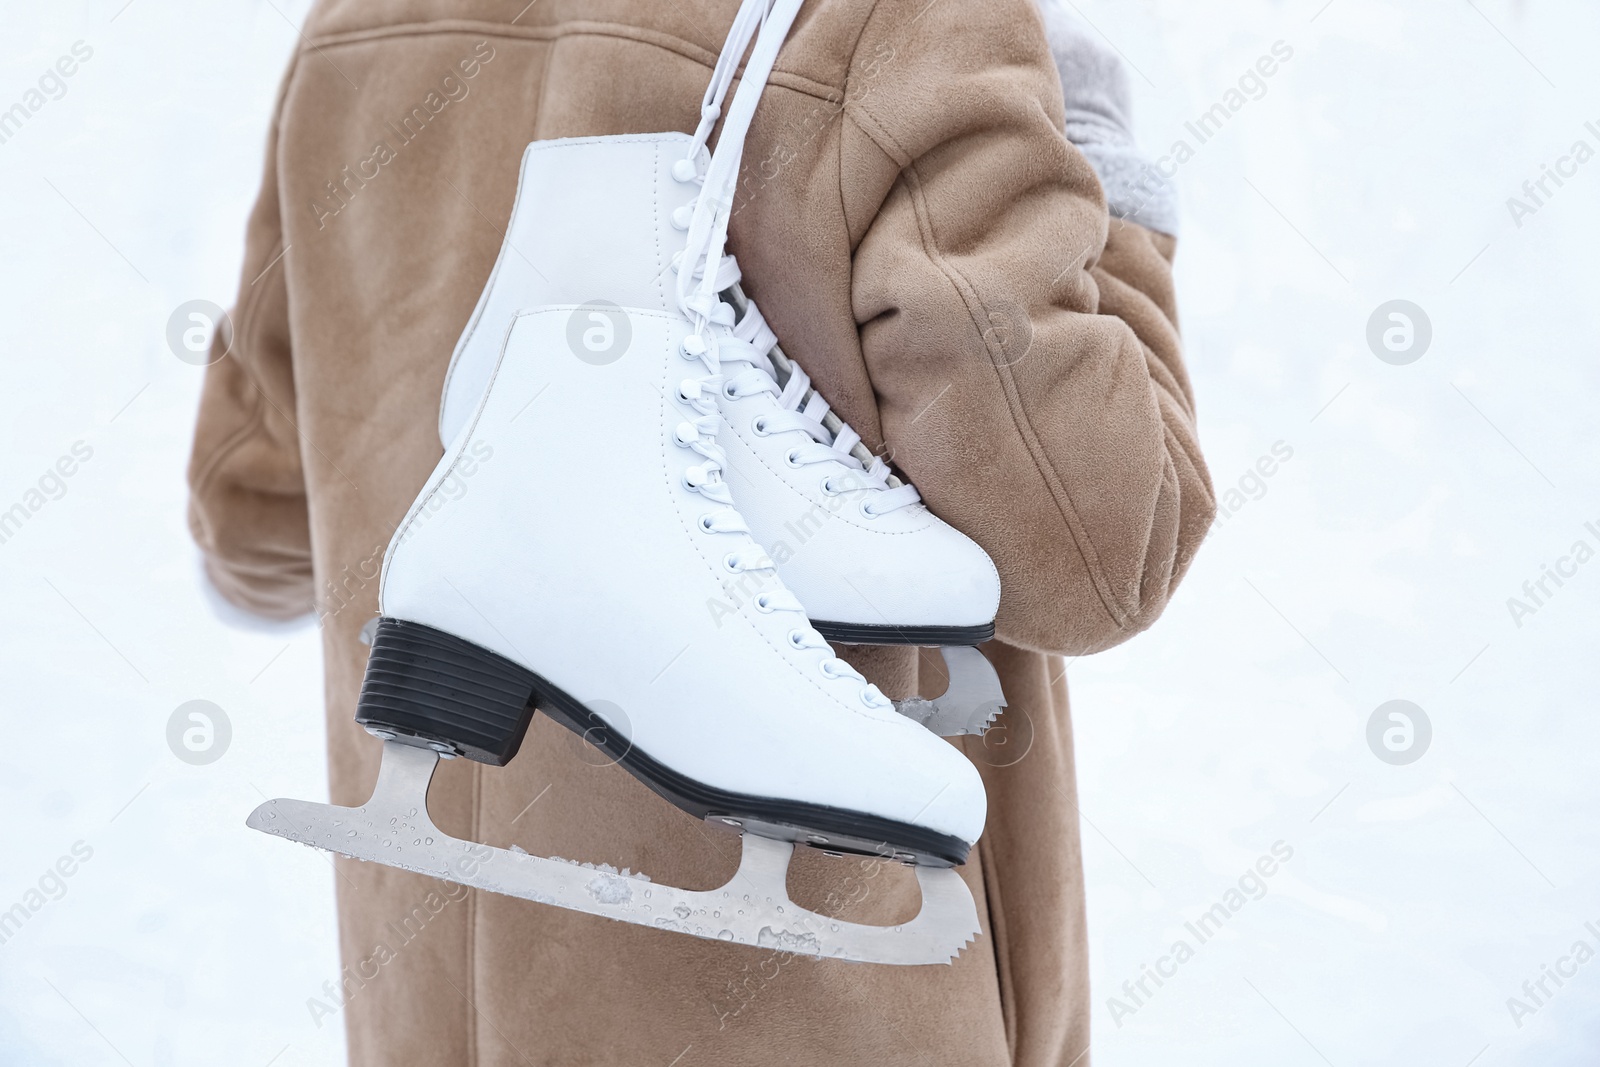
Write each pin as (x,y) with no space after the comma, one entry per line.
(939,258)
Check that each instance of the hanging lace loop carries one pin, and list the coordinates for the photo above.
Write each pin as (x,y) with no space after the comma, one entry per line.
(708,229)
(719,334)
(700,290)
(751,15)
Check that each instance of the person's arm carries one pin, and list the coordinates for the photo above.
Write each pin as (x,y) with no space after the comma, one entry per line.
(1026,363)
(247,496)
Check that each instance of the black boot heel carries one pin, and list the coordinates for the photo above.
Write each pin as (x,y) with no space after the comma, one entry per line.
(424,685)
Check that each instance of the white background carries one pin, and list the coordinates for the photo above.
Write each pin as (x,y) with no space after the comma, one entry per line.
(1376,564)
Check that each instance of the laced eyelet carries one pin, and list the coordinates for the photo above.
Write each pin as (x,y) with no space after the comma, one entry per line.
(705,523)
(682,217)
(687,484)
(684,398)
(866,510)
(685,434)
(758,426)
(728,393)
(684,170)
(827,487)
(827,669)
(693,346)
(792,458)
(866,698)
(797,639)
(730,563)
(764,604)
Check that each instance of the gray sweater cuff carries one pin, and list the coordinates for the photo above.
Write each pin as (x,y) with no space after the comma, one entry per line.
(1135,190)
(1099,106)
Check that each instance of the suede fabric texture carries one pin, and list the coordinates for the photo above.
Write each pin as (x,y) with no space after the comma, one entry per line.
(930,247)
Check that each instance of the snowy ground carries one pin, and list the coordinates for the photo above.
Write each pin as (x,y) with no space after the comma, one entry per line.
(1406,503)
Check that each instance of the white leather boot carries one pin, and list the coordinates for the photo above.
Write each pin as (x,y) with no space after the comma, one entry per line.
(603,222)
(582,573)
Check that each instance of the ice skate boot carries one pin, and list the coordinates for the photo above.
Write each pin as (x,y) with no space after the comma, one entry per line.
(870,562)
(575,578)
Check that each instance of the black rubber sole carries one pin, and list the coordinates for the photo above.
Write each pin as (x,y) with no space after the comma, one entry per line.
(430,687)
(425,683)
(850,633)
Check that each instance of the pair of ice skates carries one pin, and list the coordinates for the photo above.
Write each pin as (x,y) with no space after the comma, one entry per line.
(631,551)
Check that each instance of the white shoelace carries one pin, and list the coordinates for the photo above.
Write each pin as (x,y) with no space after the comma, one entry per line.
(803,408)
(713,337)
(749,341)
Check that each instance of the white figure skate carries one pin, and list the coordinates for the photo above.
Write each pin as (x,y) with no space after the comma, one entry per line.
(602,221)
(577,578)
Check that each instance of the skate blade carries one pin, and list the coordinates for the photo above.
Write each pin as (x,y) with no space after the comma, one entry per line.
(753,908)
(969,705)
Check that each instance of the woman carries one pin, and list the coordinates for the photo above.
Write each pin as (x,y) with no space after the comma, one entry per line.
(937,254)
